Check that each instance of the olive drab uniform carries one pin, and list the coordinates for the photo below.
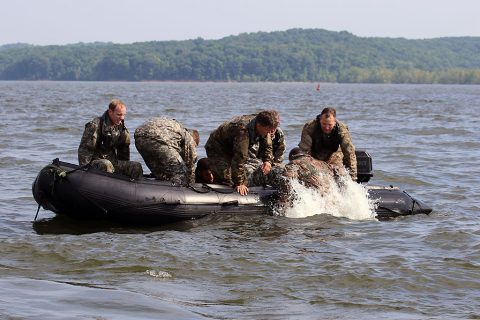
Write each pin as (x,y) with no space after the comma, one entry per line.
(168,149)
(228,146)
(107,147)
(335,148)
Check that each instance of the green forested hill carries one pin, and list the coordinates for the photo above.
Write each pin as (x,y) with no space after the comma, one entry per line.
(292,55)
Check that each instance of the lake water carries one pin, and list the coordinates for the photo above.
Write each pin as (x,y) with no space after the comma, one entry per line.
(422,138)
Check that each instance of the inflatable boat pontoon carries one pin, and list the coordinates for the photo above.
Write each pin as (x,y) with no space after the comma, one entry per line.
(85,192)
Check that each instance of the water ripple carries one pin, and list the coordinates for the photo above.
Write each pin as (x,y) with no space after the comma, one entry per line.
(244,266)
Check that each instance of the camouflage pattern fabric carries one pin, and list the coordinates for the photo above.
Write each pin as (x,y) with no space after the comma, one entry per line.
(221,169)
(132,169)
(168,149)
(255,176)
(253,165)
(253,172)
(335,148)
(104,165)
(278,148)
(310,172)
(107,147)
(228,146)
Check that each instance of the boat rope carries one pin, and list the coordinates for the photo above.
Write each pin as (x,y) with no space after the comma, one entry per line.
(59,174)
(56,163)
(38,209)
(414,202)
(220,190)
(390,210)
(205,189)
(40,200)
(208,188)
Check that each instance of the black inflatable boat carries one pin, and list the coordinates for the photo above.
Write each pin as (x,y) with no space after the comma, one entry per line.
(85,192)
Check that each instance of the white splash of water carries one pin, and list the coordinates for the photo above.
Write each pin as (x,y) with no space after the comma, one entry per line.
(158,274)
(347,199)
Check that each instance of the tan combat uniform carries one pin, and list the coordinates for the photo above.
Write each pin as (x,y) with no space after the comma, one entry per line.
(168,149)
(335,148)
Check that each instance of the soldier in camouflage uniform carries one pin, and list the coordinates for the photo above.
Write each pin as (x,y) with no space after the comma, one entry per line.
(278,148)
(203,173)
(253,164)
(310,172)
(105,143)
(168,149)
(328,139)
(227,147)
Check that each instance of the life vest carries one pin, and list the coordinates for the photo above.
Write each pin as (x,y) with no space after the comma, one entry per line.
(324,145)
(110,136)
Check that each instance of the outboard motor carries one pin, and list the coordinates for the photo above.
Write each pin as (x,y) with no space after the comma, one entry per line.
(364,166)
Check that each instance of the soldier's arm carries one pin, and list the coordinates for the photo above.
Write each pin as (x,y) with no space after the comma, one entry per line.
(240,155)
(348,150)
(306,138)
(123,150)
(86,149)
(266,146)
(190,156)
(279,147)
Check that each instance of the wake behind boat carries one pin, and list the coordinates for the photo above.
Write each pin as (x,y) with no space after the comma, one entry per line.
(85,192)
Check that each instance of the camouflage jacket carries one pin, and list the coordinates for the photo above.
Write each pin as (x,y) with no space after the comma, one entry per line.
(278,148)
(173,134)
(232,140)
(309,171)
(102,140)
(322,146)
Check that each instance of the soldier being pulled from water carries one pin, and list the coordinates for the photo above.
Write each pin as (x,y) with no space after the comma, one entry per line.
(105,143)
(308,171)
(168,149)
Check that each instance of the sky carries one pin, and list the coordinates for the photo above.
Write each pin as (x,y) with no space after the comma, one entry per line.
(59,22)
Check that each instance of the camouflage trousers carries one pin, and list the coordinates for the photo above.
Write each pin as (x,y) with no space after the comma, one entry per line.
(165,163)
(132,169)
(256,177)
(221,170)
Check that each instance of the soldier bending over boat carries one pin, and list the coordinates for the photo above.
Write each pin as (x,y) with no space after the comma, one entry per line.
(228,145)
(168,149)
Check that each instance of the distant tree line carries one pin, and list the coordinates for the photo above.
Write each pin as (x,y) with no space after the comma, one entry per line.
(292,55)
